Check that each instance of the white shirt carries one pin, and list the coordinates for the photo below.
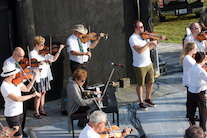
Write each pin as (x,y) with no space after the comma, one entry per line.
(73,45)
(188,62)
(46,71)
(200,44)
(12,108)
(139,60)
(198,79)
(9,60)
(88,132)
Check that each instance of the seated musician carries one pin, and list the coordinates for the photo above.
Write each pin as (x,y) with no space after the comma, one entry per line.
(193,37)
(197,88)
(96,125)
(76,103)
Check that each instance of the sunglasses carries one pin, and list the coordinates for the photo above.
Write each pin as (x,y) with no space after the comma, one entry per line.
(83,80)
(140,27)
(196,27)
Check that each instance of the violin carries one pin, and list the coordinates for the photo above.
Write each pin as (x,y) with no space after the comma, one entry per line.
(7,132)
(25,74)
(46,50)
(153,36)
(34,63)
(109,133)
(91,36)
(202,36)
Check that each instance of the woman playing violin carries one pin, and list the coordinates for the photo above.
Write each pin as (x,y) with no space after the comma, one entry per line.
(187,61)
(42,83)
(193,37)
(12,96)
(97,124)
(78,53)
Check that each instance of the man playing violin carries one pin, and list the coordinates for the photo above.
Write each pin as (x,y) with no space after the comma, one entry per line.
(193,37)
(17,56)
(142,63)
(96,125)
(78,53)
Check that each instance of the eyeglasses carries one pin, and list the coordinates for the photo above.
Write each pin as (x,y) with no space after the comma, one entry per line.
(20,56)
(83,80)
(196,27)
(106,123)
(140,27)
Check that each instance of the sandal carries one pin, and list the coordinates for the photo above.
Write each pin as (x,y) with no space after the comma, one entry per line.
(44,113)
(37,116)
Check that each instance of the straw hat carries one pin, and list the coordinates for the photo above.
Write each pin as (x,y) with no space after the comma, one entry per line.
(9,69)
(80,28)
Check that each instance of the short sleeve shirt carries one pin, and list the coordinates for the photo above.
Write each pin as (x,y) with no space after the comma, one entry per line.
(73,45)
(88,132)
(12,108)
(139,60)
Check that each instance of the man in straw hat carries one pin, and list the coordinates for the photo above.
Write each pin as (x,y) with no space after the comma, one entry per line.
(13,110)
(78,51)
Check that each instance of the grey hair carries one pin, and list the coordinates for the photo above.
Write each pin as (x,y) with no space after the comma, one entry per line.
(97,117)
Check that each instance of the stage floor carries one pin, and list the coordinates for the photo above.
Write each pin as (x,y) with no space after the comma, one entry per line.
(167,119)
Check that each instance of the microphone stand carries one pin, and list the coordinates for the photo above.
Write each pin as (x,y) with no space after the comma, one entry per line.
(107,82)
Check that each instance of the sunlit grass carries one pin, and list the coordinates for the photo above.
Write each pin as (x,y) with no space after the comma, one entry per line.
(174,27)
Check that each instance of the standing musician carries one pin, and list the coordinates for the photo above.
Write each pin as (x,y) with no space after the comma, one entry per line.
(42,83)
(96,125)
(187,61)
(197,88)
(203,20)
(76,103)
(17,56)
(78,53)
(13,110)
(142,63)
(193,37)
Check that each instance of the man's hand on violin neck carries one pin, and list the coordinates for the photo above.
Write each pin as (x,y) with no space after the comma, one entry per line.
(101,34)
(153,43)
(163,38)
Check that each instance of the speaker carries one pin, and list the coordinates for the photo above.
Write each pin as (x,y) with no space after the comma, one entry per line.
(30,133)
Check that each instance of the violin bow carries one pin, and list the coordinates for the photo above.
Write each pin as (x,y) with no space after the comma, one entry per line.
(50,45)
(29,57)
(107,119)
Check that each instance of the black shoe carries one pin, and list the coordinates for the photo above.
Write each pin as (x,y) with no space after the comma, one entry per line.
(82,123)
(195,118)
(24,134)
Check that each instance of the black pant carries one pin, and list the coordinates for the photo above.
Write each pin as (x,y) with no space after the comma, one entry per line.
(75,65)
(197,100)
(187,113)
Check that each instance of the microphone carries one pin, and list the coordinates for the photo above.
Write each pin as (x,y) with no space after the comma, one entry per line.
(114,64)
